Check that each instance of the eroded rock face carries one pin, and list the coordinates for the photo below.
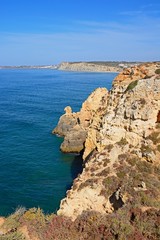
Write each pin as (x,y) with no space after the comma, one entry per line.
(142,71)
(122,147)
(74,126)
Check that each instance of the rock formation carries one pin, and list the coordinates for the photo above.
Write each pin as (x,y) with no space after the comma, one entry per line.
(120,140)
(74,126)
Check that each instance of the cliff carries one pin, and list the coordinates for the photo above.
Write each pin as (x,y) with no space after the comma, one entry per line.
(95,66)
(121,146)
(117,196)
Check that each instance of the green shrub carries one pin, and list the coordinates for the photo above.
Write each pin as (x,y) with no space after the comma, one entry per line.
(122,142)
(12,221)
(132,160)
(88,183)
(121,174)
(154,137)
(144,167)
(142,101)
(158,148)
(12,236)
(122,157)
(36,221)
(103,173)
(157,71)
(109,147)
(132,85)
(146,149)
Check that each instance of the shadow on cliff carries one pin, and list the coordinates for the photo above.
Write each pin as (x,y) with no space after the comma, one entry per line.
(76,168)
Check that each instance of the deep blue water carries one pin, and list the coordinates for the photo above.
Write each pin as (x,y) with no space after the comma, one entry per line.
(33,172)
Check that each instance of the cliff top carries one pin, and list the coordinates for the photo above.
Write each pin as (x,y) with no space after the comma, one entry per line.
(142,71)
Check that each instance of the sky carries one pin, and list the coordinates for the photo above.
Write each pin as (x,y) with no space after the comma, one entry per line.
(36,32)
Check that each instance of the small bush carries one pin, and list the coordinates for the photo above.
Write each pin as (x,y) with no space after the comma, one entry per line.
(103,173)
(154,137)
(88,183)
(122,142)
(142,101)
(12,236)
(122,157)
(109,147)
(35,220)
(158,148)
(157,170)
(132,160)
(106,161)
(146,149)
(121,174)
(157,71)
(111,184)
(12,221)
(132,85)
(144,167)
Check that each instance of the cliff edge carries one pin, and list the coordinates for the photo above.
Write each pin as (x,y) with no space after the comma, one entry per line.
(120,144)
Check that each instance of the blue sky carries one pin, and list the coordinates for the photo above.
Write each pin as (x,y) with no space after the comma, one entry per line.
(36,32)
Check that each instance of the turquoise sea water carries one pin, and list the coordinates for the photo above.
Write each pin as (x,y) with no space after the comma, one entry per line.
(33,172)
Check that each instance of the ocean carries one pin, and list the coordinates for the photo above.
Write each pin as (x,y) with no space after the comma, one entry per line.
(33,171)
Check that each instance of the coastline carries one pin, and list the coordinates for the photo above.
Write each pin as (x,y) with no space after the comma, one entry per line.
(117,192)
(95,66)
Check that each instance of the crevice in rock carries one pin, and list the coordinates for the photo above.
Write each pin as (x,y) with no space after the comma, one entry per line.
(116,199)
(90,155)
(76,168)
(132,217)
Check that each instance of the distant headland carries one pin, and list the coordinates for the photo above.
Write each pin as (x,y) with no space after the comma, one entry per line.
(93,66)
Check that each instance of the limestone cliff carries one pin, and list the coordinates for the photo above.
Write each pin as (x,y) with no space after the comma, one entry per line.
(121,145)
(117,196)
(95,66)
(74,126)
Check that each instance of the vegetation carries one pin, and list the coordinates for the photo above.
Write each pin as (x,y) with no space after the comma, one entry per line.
(88,183)
(132,85)
(158,148)
(107,63)
(13,236)
(154,137)
(157,71)
(109,147)
(129,222)
(142,101)
(137,219)
(122,142)
(125,224)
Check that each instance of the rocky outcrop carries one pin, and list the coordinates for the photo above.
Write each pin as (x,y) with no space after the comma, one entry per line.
(122,147)
(74,126)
